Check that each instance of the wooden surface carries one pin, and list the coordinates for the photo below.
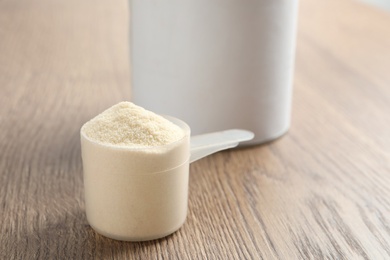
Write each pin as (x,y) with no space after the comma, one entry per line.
(321,191)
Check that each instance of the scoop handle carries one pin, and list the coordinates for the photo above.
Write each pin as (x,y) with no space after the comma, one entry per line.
(206,144)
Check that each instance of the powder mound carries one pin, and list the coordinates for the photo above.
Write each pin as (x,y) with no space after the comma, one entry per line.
(126,124)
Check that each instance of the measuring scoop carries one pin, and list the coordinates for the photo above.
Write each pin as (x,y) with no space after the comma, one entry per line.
(138,194)
(206,144)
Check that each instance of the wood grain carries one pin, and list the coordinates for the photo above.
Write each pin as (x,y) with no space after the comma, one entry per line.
(320,192)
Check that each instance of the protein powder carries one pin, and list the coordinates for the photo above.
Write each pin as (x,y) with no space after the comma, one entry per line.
(126,124)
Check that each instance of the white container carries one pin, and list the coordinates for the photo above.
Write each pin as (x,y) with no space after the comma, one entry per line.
(216,64)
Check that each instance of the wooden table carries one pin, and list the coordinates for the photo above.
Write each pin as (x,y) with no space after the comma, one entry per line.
(321,191)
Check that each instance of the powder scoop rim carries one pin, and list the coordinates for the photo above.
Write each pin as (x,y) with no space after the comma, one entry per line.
(180,123)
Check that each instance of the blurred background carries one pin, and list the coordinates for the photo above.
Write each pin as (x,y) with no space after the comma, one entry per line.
(385,4)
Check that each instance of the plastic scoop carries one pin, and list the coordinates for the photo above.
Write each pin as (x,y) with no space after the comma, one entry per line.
(206,144)
(139,194)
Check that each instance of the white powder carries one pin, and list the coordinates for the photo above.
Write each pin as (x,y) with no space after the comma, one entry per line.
(126,124)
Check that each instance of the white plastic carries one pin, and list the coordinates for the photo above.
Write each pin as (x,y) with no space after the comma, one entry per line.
(206,144)
(216,64)
(129,199)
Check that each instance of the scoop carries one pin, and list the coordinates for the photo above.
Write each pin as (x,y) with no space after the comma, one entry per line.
(138,194)
(206,144)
